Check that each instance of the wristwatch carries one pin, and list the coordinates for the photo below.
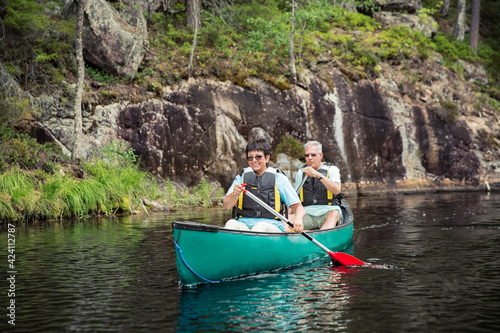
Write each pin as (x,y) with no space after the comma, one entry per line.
(321,177)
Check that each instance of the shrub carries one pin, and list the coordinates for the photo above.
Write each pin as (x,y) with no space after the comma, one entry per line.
(290,146)
(24,152)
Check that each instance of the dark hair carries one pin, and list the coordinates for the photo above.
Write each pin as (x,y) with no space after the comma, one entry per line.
(259,144)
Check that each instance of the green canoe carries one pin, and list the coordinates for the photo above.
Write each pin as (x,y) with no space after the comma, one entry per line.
(208,253)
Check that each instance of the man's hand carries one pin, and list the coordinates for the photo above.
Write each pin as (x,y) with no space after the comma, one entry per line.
(312,173)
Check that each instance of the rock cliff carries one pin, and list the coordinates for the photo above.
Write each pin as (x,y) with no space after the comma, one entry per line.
(390,134)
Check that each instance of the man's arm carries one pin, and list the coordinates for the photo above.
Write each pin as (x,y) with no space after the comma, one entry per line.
(330,185)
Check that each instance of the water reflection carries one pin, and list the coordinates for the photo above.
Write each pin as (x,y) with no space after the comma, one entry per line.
(313,296)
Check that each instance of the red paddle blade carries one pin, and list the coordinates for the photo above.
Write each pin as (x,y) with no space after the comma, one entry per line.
(344,259)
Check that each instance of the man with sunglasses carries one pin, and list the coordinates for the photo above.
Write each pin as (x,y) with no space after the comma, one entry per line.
(269,185)
(319,192)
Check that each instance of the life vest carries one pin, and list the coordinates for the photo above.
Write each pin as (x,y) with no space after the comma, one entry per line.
(313,192)
(264,187)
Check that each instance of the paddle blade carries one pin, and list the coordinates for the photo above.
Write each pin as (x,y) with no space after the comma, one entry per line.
(344,259)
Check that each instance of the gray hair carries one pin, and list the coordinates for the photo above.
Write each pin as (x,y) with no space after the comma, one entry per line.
(318,145)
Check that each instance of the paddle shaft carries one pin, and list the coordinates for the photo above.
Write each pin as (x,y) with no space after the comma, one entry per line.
(284,219)
(304,178)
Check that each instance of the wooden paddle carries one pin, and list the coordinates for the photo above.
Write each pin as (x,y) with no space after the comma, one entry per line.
(338,258)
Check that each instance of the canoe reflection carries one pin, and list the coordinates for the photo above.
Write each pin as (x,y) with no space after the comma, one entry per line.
(317,295)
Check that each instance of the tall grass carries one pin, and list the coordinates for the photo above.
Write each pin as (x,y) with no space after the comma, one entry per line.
(55,196)
(203,195)
(106,188)
(112,182)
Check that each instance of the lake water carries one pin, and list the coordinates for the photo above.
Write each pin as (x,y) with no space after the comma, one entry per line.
(436,269)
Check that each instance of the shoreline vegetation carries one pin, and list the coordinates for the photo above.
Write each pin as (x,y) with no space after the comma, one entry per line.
(39,183)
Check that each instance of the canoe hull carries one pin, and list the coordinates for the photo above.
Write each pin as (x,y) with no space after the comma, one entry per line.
(206,253)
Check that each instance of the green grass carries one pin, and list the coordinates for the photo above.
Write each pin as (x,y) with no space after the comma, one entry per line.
(202,195)
(112,182)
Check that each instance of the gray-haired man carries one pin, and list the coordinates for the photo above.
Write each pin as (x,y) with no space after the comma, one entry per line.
(318,194)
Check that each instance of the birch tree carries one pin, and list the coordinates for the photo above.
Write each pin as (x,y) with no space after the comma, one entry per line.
(445,8)
(291,55)
(459,27)
(77,152)
(193,20)
(193,11)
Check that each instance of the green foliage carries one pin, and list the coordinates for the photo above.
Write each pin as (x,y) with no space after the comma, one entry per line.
(23,151)
(452,49)
(218,35)
(13,108)
(114,167)
(236,40)
(290,146)
(490,56)
(496,104)
(351,21)
(202,195)
(367,6)
(36,45)
(100,76)
(400,41)
(434,5)
(33,195)
(185,49)
(116,153)
(251,39)
(269,37)
(178,37)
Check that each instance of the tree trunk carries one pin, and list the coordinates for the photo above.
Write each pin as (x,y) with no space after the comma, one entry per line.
(77,152)
(293,71)
(445,8)
(193,9)
(302,32)
(193,20)
(474,25)
(459,28)
(193,46)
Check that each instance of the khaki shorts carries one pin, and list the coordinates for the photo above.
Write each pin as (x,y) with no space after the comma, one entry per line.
(316,222)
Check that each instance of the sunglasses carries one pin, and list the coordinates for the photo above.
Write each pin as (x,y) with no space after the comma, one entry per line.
(312,155)
(257,157)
